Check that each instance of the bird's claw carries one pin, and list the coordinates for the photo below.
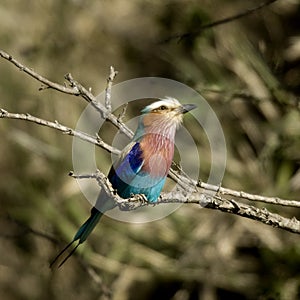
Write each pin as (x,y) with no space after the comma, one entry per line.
(142,198)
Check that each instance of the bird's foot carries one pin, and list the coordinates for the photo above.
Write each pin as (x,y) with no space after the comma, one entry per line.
(142,198)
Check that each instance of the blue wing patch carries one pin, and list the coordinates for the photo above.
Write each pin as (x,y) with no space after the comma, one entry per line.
(128,177)
(135,158)
(123,172)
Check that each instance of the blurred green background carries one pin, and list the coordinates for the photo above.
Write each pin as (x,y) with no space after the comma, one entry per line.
(248,71)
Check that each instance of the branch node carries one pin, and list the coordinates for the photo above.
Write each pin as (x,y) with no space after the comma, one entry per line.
(43,87)
(218,192)
(98,138)
(68,131)
(73,83)
(3,112)
(265,211)
(204,199)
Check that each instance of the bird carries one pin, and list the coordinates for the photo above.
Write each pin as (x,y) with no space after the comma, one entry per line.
(142,167)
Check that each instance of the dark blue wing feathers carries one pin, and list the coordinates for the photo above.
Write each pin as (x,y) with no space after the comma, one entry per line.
(123,172)
(128,177)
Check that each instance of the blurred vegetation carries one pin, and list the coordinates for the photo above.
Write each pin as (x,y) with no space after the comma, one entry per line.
(248,70)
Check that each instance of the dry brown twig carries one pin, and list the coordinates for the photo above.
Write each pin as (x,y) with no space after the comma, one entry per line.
(189,192)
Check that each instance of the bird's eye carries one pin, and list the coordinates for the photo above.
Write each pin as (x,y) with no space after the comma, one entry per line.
(163,107)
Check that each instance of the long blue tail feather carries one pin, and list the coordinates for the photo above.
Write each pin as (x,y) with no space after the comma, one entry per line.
(87,227)
(81,235)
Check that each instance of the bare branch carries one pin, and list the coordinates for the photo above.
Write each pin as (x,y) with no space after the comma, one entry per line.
(201,198)
(64,129)
(38,77)
(251,197)
(106,114)
(254,213)
(183,178)
(76,89)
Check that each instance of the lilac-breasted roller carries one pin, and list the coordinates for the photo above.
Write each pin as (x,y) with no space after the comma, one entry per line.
(143,166)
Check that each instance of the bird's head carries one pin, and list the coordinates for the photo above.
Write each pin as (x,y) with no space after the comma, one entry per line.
(163,116)
(167,110)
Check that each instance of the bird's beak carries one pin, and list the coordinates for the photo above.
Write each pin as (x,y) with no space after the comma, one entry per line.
(186,108)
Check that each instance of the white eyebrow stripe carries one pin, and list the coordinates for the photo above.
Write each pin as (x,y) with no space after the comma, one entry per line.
(168,102)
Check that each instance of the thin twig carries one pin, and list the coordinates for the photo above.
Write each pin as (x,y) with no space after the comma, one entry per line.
(90,98)
(76,89)
(64,129)
(248,196)
(38,77)
(181,36)
(182,177)
(110,80)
